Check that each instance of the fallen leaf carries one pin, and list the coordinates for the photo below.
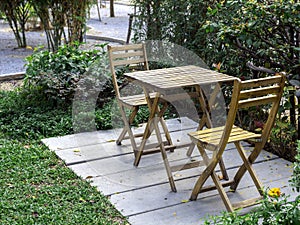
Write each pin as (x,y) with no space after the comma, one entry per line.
(81,200)
(184,200)
(35,214)
(111,140)
(76,150)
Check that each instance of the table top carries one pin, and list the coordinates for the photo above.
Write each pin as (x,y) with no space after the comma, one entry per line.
(178,77)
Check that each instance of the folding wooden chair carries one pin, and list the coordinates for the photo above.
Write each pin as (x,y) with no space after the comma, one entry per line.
(252,93)
(134,57)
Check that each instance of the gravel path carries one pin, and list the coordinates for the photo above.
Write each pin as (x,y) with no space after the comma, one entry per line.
(12,58)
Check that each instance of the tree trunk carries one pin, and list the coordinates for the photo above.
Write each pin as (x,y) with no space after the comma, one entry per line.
(111,7)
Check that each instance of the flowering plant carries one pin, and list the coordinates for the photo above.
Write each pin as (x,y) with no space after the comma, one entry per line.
(274,192)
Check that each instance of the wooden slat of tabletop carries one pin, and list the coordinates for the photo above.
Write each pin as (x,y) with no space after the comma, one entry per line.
(178,77)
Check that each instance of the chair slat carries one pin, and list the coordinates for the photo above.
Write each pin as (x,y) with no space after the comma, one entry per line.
(128,61)
(127,54)
(260,82)
(257,101)
(127,47)
(259,92)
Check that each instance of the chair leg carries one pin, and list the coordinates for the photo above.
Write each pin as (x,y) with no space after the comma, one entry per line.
(222,192)
(192,146)
(130,121)
(127,128)
(211,164)
(223,170)
(210,171)
(247,166)
(221,163)
(121,136)
(205,120)
(139,152)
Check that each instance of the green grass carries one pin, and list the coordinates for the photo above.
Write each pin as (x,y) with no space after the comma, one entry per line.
(35,186)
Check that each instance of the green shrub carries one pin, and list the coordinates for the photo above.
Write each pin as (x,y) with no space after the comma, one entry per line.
(57,74)
(273,211)
(295,181)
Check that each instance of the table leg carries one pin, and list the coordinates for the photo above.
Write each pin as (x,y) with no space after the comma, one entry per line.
(148,130)
(164,154)
(154,118)
(205,120)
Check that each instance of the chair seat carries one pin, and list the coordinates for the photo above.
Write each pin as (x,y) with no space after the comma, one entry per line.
(136,100)
(210,138)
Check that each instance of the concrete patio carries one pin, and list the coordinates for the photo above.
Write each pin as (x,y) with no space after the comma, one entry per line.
(143,194)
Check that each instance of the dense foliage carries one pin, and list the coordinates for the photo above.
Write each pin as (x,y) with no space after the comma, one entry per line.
(58,75)
(231,35)
(296,172)
(266,33)
(230,32)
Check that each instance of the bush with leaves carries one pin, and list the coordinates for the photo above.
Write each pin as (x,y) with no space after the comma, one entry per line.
(175,21)
(57,74)
(265,33)
(295,181)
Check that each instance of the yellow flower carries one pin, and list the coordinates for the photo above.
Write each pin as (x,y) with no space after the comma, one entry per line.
(274,192)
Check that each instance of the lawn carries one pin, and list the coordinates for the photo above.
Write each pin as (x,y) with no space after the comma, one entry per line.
(36,186)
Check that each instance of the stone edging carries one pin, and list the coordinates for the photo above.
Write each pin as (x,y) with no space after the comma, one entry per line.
(12,76)
(94,37)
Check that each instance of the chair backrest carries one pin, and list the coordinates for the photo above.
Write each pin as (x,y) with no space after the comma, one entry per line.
(126,55)
(263,91)
(251,93)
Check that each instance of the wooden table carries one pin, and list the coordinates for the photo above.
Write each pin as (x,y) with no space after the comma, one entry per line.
(164,82)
